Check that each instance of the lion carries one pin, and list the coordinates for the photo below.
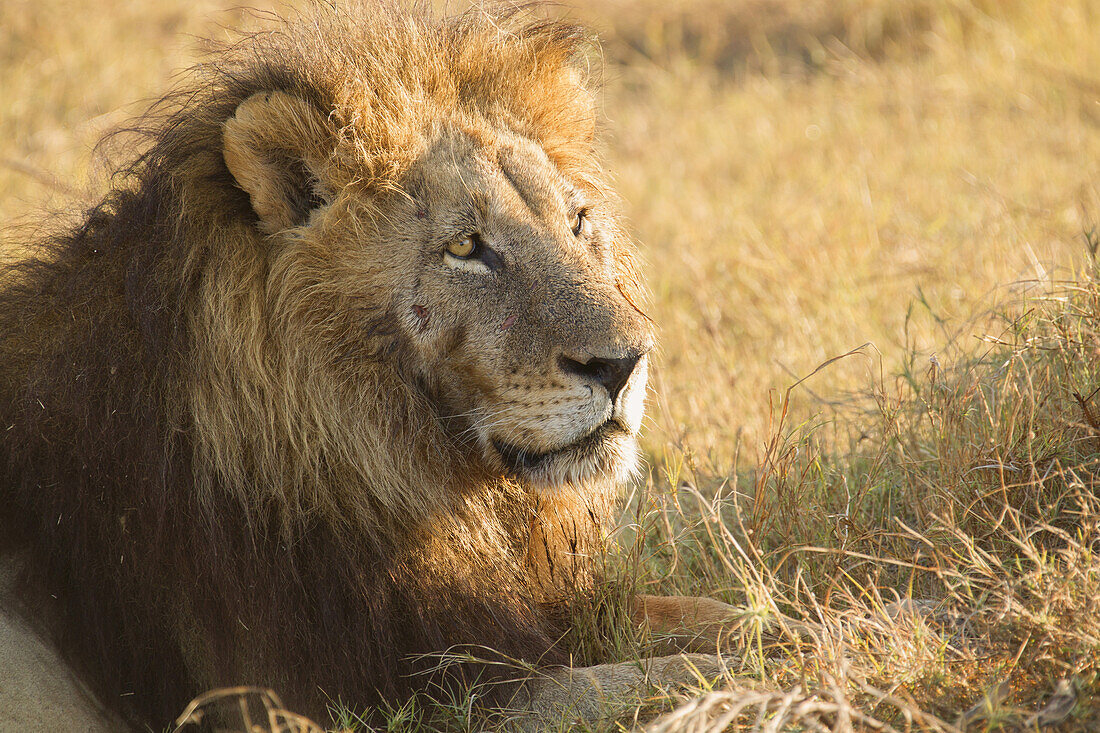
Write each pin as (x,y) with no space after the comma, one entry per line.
(344,374)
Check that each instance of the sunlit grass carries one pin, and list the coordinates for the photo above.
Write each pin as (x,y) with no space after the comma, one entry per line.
(948,552)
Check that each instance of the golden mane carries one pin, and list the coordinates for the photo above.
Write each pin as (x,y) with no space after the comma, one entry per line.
(387,79)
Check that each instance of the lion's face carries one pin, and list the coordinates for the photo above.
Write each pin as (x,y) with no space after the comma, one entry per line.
(507,283)
(509,288)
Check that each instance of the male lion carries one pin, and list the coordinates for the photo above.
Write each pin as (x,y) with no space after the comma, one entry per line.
(343,374)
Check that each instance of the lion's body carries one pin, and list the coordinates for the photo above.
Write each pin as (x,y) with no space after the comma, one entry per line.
(235,419)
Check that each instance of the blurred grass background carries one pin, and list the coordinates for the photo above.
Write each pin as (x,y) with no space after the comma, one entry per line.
(804,178)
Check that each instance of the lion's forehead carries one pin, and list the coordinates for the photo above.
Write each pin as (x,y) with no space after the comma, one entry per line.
(502,174)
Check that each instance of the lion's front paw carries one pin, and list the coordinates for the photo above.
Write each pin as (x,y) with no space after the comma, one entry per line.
(557,699)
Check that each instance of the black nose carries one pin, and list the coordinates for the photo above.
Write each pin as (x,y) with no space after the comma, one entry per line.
(612,374)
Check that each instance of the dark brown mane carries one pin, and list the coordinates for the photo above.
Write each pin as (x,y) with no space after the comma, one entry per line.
(160,571)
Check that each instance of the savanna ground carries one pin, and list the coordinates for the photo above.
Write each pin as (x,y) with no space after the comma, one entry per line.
(911,530)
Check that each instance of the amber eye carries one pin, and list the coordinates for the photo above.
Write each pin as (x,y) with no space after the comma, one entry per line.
(581,226)
(464,248)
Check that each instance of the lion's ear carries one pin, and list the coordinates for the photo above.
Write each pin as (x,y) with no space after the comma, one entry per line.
(274,146)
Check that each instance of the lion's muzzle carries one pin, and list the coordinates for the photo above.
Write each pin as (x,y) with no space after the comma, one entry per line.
(614,389)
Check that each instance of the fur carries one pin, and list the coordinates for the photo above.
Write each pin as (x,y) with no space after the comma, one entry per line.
(228,462)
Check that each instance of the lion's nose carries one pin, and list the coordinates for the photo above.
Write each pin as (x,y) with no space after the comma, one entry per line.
(611,374)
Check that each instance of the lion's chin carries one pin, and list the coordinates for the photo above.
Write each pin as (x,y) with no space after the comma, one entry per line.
(608,453)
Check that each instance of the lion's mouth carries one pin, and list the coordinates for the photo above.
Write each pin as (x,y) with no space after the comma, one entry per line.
(526,463)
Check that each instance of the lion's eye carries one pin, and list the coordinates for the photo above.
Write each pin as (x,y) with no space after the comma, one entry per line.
(472,255)
(465,248)
(581,226)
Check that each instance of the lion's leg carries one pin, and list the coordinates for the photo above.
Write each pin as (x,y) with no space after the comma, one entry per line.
(685,623)
(556,699)
(697,624)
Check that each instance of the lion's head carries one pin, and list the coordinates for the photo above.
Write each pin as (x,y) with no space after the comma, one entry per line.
(505,273)
(441,209)
(355,344)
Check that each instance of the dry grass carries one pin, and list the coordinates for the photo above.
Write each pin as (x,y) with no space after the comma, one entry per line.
(912,540)
(940,572)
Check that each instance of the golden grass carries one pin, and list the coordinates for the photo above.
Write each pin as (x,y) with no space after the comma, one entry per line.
(940,572)
(911,539)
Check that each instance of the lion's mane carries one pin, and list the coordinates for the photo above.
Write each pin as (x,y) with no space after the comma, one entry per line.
(201,500)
